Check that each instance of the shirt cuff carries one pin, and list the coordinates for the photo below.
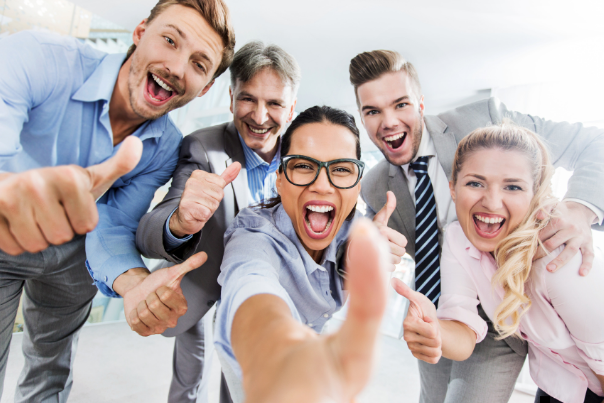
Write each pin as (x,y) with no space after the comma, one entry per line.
(599,213)
(170,241)
(112,269)
(457,307)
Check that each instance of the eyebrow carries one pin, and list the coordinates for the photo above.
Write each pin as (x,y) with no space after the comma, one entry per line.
(507,180)
(198,54)
(247,94)
(396,101)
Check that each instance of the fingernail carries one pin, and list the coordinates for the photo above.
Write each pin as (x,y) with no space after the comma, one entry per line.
(551,267)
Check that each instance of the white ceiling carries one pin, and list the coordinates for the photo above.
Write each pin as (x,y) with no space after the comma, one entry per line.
(461,48)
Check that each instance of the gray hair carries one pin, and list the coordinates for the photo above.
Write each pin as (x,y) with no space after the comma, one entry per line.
(255,56)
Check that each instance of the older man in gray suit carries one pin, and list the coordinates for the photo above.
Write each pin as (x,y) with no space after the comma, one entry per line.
(208,191)
(419,152)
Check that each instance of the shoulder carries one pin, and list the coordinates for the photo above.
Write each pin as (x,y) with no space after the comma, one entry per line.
(51,43)
(376,179)
(455,241)
(254,220)
(210,138)
(564,277)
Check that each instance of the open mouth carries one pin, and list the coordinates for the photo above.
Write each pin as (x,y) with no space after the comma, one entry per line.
(261,131)
(318,219)
(158,91)
(487,225)
(395,141)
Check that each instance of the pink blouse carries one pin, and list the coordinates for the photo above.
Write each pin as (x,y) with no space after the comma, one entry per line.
(564,326)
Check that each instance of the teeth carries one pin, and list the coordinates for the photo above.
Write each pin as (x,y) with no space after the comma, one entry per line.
(491,220)
(394,137)
(261,131)
(319,209)
(161,83)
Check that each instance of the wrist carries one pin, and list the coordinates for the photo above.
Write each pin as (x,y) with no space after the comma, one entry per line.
(590,215)
(130,279)
(175,227)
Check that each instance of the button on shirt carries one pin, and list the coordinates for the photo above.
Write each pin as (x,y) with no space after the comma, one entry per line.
(54,110)
(564,325)
(263,255)
(261,176)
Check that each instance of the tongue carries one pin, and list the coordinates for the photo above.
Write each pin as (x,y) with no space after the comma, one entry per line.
(397,143)
(158,92)
(318,221)
(488,228)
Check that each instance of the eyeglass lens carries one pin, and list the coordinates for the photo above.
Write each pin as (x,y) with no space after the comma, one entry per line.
(302,172)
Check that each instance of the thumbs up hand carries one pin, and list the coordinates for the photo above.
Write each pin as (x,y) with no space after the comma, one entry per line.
(397,241)
(421,326)
(156,303)
(200,199)
(46,206)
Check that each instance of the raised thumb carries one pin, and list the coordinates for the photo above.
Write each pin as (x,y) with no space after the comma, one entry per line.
(125,160)
(178,272)
(384,214)
(231,172)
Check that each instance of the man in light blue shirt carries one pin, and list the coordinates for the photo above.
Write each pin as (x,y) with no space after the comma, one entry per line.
(62,103)
(209,189)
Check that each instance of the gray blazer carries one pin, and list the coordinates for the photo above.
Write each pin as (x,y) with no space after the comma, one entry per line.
(571,146)
(211,149)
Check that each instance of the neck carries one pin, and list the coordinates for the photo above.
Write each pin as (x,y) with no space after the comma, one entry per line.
(124,121)
(316,255)
(268,156)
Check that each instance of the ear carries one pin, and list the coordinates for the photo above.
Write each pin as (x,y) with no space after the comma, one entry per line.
(421,105)
(231,107)
(278,182)
(139,31)
(206,88)
(291,111)
(452,190)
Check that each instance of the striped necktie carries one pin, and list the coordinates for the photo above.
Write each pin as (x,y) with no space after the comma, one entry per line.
(427,266)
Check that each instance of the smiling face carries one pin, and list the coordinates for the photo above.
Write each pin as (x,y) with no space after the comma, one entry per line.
(392,115)
(492,195)
(318,211)
(261,108)
(175,59)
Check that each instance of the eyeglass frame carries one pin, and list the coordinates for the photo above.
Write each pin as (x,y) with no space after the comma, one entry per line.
(322,165)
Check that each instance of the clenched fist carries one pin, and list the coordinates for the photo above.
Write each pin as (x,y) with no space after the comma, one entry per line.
(200,199)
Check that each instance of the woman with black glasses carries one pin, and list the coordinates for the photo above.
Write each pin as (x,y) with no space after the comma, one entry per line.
(280,274)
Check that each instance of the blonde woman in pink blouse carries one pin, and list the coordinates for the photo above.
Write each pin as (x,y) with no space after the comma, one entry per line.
(502,192)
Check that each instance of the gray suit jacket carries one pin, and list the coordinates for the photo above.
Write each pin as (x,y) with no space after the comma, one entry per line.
(211,149)
(571,146)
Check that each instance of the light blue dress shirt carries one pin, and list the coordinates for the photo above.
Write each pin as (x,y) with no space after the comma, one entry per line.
(263,255)
(54,110)
(261,178)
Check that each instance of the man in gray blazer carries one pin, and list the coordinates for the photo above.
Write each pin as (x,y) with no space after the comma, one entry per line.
(208,190)
(392,110)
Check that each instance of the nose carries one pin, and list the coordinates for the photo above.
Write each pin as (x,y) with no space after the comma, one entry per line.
(492,199)
(177,65)
(322,184)
(260,113)
(389,121)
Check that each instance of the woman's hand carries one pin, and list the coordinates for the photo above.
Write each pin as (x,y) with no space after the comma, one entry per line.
(421,326)
(396,240)
(283,361)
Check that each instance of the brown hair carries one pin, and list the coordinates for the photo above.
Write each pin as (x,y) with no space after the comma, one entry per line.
(369,66)
(514,254)
(216,13)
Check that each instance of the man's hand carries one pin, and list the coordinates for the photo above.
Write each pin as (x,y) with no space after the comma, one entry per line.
(154,302)
(46,206)
(320,369)
(200,199)
(397,241)
(570,225)
(421,326)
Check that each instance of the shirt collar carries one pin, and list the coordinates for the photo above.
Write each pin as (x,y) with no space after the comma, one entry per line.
(284,224)
(426,148)
(253,160)
(100,84)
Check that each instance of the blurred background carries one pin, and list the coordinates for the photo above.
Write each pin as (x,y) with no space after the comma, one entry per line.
(542,57)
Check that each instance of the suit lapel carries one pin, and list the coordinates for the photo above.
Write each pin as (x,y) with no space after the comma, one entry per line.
(233,149)
(397,182)
(445,143)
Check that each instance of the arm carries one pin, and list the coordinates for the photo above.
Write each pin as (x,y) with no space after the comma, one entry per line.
(282,360)
(578,149)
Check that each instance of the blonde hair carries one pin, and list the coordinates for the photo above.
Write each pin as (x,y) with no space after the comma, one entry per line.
(369,66)
(514,254)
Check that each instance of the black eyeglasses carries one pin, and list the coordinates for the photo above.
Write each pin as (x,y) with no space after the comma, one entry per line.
(343,173)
